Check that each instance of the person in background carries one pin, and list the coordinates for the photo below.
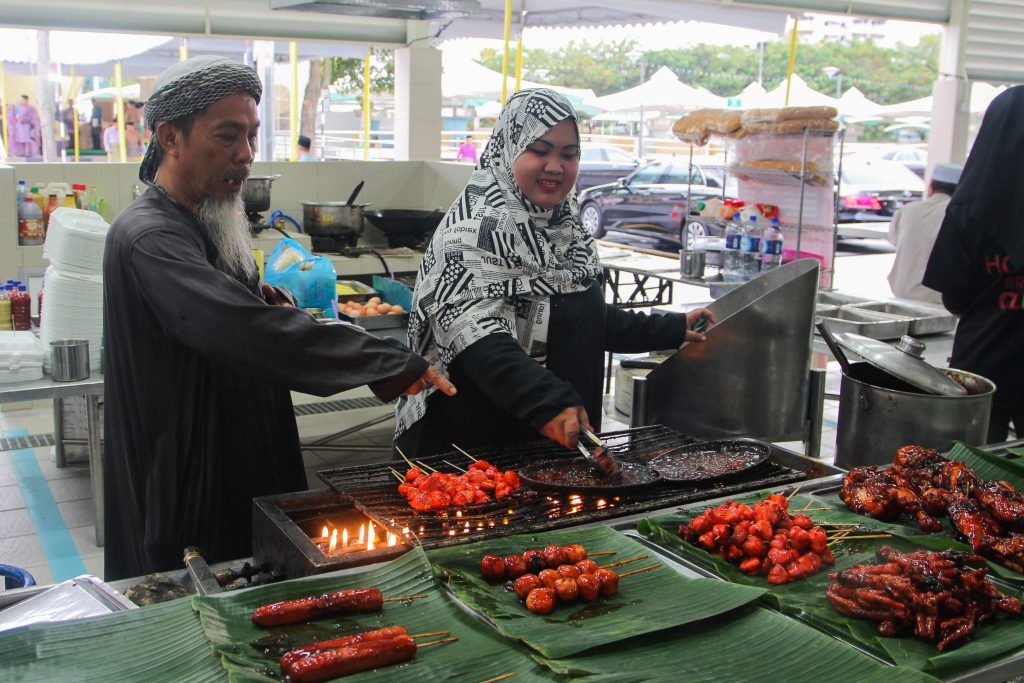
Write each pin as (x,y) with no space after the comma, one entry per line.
(197,364)
(304,149)
(509,297)
(913,230)
(96,125)
(25,138)
(66,132)
(132,141)
(978,257)
(467,151)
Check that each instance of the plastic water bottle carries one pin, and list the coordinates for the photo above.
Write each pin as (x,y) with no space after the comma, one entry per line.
(21,192)
(771,246)
(731,268)
(750,250)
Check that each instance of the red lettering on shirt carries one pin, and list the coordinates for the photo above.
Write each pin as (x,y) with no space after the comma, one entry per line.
(1009,301)
(1014,282)
(998,264)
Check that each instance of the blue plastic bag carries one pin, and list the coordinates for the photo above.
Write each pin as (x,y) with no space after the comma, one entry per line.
(311,279)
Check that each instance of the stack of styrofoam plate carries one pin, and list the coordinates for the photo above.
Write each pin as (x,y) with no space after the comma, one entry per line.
(72,309)
(74,240)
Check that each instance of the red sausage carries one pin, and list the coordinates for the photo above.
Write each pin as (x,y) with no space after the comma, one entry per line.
(352,659)
(387,633)
(304,609)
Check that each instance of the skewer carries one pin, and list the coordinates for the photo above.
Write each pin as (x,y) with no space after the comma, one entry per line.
(638,571)
(499,678)
(464,453)
(397,476)
(793,492)
(815,509)
(407,461)
(622,562)
(422,466)
(435,633)
(454,466)
(603,552)
(849,538)
(406,597)
(438,642)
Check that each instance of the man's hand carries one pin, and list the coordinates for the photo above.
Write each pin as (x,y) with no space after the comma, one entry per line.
(432,376)
(565,427)
(697,321)
(278,296)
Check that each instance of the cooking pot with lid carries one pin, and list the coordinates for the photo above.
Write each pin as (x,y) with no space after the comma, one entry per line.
(894,398)
(256,192)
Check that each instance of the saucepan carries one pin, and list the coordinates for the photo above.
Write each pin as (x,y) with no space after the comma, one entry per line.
(256,192)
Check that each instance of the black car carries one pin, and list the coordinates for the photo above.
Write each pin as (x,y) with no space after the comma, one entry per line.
(914,159)
(651,202)
(872,190)
(601,164)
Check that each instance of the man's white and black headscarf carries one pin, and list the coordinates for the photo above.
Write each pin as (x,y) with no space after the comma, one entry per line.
(495,262)
(189,87)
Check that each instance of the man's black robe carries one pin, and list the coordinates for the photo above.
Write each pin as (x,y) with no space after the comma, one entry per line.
(197,370)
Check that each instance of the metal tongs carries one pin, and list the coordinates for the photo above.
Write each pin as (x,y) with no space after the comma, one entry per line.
(600,456)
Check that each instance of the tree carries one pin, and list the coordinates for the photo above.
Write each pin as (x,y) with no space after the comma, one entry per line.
(346,74)
(310,98)
(604,67)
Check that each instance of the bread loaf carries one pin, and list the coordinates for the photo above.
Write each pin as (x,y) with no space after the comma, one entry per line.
(696,126)
(790,126)
(787,114)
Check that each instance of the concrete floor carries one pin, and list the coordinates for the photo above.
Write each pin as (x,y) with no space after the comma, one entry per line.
(47,514)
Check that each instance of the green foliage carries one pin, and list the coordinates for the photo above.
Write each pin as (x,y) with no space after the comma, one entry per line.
(346,74)
(885,75)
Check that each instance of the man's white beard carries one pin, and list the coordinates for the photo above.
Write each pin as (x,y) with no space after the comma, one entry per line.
(227,228)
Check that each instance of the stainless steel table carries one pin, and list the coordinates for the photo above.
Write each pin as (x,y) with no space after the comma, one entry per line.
(92,389)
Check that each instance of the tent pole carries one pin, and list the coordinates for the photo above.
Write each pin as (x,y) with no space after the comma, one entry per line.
(504,56)
(122,147)
(293,58)
(519,45)
(366,105)
(3,100)
(792,58)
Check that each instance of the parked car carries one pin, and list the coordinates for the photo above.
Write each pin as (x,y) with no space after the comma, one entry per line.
(651,202)
(914,159)
(601,164)
(873,189)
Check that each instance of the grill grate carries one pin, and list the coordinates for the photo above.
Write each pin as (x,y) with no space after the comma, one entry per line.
(374,490)
(17,443)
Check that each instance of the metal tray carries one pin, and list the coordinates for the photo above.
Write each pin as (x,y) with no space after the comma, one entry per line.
(377,322)
(840,299)
(924,320)
(867,323)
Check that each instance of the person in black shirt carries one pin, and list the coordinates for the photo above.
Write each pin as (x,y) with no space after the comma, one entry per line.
(978,257)
(509,301)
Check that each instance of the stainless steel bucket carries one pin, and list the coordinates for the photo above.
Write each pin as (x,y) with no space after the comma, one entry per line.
(256,192)
(691,263)
(69,360)
(879,413)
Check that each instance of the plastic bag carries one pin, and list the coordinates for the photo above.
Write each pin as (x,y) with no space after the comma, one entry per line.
(311,279)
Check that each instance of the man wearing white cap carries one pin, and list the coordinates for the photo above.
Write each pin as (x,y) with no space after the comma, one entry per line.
(913,231)
(197,366)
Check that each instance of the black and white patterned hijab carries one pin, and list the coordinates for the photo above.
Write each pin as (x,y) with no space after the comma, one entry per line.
(494,263)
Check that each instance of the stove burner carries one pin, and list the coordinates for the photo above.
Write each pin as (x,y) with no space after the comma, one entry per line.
(335,245)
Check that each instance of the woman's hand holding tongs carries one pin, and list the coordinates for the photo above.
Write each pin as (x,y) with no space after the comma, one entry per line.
(564,428)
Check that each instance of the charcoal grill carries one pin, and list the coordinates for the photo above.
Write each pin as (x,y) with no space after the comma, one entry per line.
(373,490)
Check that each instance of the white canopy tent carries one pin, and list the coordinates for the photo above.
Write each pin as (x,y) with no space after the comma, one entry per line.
(800,95)
(662,91)
(855,105)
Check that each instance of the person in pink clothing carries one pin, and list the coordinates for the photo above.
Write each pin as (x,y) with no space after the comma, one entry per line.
(467,151)
(25,137)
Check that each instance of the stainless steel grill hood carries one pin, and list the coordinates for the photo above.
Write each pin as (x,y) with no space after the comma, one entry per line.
(751,378)
(389,9)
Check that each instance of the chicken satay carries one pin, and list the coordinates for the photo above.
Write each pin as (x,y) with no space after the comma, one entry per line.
(492,567)
(567,590)
(586,566)
(548,577)
(590,587)
(609,582)
(526,583)
(541,600)
(535,561)
(574,552)
(515,566)
(554,555)
(568,571)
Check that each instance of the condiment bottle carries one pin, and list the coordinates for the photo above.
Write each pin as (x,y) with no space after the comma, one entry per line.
(92,199)
(79,191)
(6,323)
(21,310)
(30,222)
(51,206)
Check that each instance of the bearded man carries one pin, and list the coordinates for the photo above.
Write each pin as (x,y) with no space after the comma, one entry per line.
(197,366)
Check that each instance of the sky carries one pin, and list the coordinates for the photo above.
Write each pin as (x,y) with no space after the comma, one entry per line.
(663,36)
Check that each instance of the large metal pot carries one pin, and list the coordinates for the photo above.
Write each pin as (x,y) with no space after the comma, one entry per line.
(332,219)
(256,192)
(879,413)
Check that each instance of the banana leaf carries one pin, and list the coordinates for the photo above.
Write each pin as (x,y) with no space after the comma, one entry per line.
(647,602)
(988,465)
(806,598)
(252,653)
(163,642)
(748,644)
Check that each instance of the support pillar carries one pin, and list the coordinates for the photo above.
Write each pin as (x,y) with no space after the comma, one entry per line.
(951,102)
(418,96)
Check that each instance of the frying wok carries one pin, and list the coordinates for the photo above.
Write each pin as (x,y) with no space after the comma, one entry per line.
(404,227)
(711,461)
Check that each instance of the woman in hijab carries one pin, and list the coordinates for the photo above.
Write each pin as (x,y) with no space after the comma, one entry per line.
(978,257)
(509,298)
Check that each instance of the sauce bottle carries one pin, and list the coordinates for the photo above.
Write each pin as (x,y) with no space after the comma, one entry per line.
(21,309)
